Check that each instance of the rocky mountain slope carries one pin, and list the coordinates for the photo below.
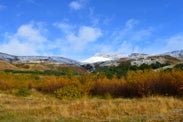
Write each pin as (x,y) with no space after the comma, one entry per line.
(38,59)
(138,59)
(177,54)
(173,57)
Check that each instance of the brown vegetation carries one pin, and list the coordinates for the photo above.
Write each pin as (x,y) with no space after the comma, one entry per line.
(142,95)
(46,66)
(5,65)
(43,108)
(134,84)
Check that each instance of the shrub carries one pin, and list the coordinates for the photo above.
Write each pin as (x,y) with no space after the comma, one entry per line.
(5,85)
(154,83)
(68,92)
(23,91)
(179,66)
(105,86)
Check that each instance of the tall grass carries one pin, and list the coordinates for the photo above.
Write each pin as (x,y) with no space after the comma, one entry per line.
(44,108)
(133,84)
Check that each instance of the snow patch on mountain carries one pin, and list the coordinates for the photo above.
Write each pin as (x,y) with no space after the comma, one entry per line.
(102,58)
(38,59)
(177,54)
(137,56)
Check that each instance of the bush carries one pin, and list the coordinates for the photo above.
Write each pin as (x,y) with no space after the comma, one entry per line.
(23,91)
(68,92)
(5,85)
(105,86)
(179,66)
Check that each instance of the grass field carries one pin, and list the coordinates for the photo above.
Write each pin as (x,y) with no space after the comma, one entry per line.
(66,95)
(44,108)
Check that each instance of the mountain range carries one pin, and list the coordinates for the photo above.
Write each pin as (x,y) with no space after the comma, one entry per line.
(98,59)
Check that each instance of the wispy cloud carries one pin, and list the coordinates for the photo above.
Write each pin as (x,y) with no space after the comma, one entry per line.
(127,40)
(161,45)
(64,27)
(77,4)
(175,42)
(30,34)
(130,24)
(78,37)
(32,39)
(74,41)
(85,34)
(28,40)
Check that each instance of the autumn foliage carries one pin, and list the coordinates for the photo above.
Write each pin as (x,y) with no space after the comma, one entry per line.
(134,84)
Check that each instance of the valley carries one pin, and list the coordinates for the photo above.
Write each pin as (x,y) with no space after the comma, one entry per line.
(139,87)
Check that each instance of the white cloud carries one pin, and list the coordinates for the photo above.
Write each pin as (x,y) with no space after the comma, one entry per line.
(66,28)
(28,40)
(130,24)
(76,39)
(30,33)
(162,45)
(77,4)
(124,48)
(132,34)
(87,33)
(15,47)
(128,39)
(84,35)
(174,42)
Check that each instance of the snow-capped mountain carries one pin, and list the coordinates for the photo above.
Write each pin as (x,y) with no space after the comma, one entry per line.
(137,56)
(177,54)
(102,58)
(37,59)
(7,57)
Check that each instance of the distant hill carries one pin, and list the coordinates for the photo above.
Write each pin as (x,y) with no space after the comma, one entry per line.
(6,65)
(136,58)
(38,63)
(54,63)
(38,59)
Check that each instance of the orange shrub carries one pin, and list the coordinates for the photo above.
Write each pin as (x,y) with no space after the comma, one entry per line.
(105,86)
(145,83)
(134,84)
(4,85)
(52,83)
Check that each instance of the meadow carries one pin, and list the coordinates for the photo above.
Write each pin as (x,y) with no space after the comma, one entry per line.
(138,95)
(42,108)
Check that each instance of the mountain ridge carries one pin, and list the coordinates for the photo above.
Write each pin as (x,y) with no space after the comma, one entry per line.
(134,56)
(102,58)
(37,59)
(98,59)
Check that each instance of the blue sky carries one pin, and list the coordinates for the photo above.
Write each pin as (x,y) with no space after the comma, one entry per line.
(78,29)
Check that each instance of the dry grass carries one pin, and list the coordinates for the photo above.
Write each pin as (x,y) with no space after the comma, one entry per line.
(43,108)
(46,66)
(5,65)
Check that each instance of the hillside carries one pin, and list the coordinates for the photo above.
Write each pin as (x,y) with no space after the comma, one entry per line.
(116,90)
(99,60)
(38,59)
(39,63)
(171,58)
(6,65)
